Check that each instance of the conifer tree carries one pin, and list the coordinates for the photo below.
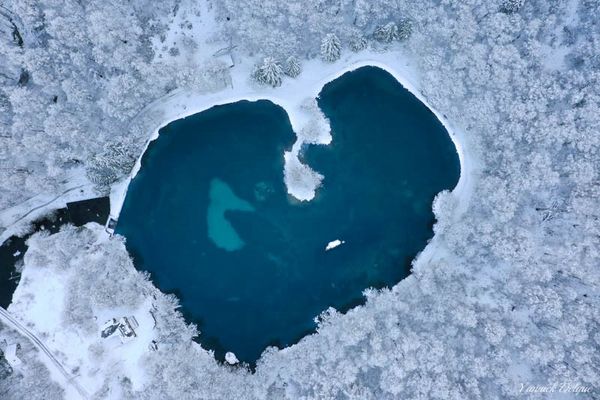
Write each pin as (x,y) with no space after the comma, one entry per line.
(386,33)
(292,67)
(269,72)
(331,48)
(358,43)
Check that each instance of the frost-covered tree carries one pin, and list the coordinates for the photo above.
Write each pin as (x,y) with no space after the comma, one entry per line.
(358,43)
(212,75)
(116,160)
(511,6)
(331,48)
(75,253)
(386,33)
(91,70)
(405,29)
(391,31)
(292,67)
(316,129)
(32,379)
(269,72)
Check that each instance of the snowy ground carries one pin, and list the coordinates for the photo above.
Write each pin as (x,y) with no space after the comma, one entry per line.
(38,303)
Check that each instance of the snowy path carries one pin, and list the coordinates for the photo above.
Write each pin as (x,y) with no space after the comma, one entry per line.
(13,220)
(31,210)
(9,320)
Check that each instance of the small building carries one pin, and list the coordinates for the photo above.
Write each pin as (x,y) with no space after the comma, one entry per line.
(109,328)
(125,327)
(111,225)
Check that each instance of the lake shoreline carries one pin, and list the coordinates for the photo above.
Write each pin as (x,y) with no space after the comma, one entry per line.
(295,92)
(238,263)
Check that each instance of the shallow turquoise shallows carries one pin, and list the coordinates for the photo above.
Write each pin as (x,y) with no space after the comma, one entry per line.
(209,217)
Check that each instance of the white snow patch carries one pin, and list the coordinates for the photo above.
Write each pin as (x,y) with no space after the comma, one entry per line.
(333,244)
(301,181)
(231,358)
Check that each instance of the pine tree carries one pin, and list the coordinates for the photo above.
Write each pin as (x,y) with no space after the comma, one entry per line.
(511,6)
(391,31)
(269,72)
(386,33)
(292,67)
(116,160)
(331,48)
(358,43)
(404,29)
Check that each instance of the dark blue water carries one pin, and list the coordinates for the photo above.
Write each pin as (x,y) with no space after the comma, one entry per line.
(209,217)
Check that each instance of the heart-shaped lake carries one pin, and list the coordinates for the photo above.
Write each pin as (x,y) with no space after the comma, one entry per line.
(209,216)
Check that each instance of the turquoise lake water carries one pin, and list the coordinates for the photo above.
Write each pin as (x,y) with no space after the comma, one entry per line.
(209,217)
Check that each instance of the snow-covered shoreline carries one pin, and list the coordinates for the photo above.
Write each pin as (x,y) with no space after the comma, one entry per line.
(503,297)
(291,96)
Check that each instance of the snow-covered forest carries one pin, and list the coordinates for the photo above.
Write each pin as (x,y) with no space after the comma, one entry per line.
(74,79)
(32,381)
(506,294)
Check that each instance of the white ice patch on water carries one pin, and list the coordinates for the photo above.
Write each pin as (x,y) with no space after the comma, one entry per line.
(333,244)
